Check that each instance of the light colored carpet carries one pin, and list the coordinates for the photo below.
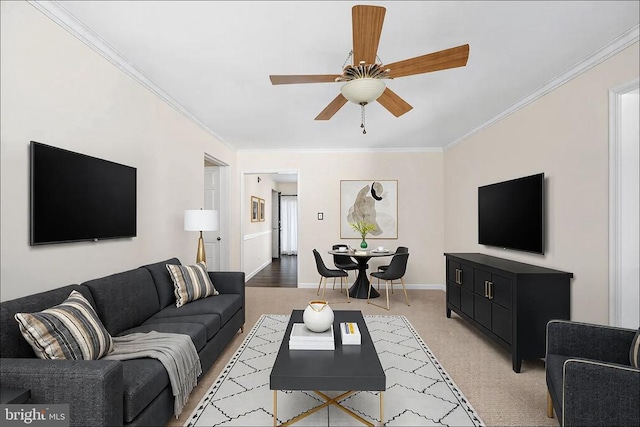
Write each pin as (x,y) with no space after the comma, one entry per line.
(419,392)
(480,368)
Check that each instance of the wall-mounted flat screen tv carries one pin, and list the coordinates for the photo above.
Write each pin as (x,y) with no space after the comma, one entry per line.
(75,197)
(511,214)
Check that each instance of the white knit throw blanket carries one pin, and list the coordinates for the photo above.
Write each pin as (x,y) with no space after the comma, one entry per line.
(176,352)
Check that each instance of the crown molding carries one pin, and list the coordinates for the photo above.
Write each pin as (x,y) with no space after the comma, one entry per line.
(344,150)
(61,16)
(616,46)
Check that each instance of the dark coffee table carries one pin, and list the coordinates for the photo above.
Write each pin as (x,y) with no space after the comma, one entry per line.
(349,367)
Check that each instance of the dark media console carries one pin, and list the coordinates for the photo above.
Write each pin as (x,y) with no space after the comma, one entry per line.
(510,302)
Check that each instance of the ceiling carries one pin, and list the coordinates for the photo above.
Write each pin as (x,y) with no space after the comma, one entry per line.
(212,61)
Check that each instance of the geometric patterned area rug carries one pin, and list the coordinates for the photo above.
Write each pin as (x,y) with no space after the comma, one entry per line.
(419,391)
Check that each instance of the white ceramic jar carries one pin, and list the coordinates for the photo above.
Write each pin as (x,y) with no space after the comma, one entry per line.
(318,316)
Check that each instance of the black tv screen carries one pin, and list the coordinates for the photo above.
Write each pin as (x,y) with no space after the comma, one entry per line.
(511,214)
(75,197)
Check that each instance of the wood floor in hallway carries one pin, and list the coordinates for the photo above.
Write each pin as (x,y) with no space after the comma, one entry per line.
(281,273)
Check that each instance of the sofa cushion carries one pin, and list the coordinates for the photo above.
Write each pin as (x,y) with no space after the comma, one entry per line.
(162,279)
(196,331)
(70,330)
(634,352)
(191,282)
(211,322)
(142,380)
(224,305)
(125,300)
(12,344)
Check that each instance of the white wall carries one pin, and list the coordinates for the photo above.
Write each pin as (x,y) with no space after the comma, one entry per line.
(56,90)
(565,135)
(420,202)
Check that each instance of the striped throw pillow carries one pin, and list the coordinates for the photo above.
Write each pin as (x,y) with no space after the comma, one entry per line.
(71,330)
(190,282)
(634,353)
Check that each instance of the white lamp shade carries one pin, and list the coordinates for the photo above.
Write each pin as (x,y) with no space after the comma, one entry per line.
(363,91)
(201,220)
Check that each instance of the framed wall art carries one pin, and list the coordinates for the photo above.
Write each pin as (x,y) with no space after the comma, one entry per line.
(255,209)
(374,202)
(261,213)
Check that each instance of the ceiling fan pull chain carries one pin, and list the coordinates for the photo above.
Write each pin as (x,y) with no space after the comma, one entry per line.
(364,131)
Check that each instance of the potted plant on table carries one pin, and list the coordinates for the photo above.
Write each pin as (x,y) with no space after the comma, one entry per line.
(363,228)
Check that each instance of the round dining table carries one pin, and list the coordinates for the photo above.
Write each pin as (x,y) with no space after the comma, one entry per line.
(360,288)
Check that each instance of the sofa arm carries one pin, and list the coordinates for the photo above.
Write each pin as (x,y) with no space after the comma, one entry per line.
(92,388)
(589,341)
(229,282)
(600,394)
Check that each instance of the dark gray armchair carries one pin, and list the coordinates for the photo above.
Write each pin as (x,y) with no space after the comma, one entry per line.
(590,379)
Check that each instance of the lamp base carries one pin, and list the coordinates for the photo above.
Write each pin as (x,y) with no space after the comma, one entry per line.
(200,255)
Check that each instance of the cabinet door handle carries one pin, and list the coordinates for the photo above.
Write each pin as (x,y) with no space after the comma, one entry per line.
(490,293)
(460,277)
(486,292)
(457,276)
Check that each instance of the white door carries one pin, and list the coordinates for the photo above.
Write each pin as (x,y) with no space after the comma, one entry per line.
(212,200)
(624,190)
(629,213)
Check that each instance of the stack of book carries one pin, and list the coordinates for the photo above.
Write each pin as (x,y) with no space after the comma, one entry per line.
(350,333)
(302,338)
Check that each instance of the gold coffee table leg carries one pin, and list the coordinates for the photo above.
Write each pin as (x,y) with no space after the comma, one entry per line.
(328,401)
(275,408)
(381,409)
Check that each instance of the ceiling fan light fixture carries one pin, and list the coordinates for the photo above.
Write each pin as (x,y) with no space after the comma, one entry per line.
(363,91)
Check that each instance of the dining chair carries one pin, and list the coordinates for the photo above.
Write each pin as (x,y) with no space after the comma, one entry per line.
(399,250)
(326,272)
(344,262)
(396,270)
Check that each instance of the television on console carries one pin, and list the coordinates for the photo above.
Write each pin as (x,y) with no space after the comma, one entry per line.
(511,214)
(75,197)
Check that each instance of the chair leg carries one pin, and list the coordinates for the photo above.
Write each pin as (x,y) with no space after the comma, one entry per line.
(369,293)
(320,284)
(549,405)
(405,291)
(386,286)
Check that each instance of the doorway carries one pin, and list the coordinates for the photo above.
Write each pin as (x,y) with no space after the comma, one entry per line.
(624,206)
(216,193)
(282,269)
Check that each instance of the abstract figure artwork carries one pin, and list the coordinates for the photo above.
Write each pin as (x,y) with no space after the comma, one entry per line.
(374,202)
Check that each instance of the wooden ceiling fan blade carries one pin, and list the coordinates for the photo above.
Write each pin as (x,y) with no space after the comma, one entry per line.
(310,78)
(392,102)
(436,61)
(332,108)
(366,26)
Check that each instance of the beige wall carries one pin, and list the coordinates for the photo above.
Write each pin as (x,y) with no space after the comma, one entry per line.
(565,135)
(420,199)
(56,90)
(256,236)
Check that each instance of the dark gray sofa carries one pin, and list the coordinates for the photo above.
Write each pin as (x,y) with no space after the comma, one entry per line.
(133,392)
(590,379)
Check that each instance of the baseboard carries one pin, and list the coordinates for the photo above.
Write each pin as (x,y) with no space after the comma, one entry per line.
(433,287)
(257,270)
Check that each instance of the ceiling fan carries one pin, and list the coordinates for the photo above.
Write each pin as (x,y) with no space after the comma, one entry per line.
(364,77)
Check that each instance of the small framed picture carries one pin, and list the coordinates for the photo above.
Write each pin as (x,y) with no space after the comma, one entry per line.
(255,209)
(261,213)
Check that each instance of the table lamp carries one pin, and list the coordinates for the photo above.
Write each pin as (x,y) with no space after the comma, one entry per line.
(201,220)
